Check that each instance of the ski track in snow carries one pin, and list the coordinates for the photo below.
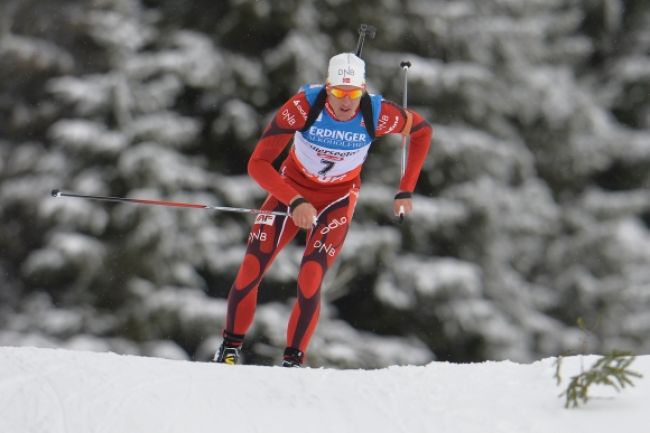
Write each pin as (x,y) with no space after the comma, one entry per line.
(61,391)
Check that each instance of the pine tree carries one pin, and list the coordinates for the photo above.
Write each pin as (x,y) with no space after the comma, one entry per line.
(532,208)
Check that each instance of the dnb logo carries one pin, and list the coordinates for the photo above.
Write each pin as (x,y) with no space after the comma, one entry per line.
(346,73)
(265,219)
(333,225)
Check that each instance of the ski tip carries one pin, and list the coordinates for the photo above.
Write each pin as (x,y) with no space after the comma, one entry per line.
(56,193)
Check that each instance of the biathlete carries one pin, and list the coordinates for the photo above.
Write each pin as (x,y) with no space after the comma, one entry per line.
(332,127)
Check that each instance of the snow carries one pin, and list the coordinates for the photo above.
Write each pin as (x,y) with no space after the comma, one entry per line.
(58,390)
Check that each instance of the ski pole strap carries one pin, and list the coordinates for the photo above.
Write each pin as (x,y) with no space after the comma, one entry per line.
(403,195)
(406,131)
(297,202)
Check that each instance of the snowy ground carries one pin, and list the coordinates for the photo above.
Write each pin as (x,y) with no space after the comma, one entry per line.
(48,390)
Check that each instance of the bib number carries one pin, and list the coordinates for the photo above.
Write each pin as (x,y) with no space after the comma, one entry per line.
(328,166)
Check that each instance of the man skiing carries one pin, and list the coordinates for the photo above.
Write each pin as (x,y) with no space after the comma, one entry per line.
(332,127)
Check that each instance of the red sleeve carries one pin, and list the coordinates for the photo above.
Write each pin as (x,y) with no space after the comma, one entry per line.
(277,135)
(392,120)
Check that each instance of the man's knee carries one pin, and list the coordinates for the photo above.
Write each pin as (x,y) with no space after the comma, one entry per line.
(310,278)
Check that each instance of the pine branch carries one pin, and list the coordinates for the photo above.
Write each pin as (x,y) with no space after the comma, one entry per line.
(611,370)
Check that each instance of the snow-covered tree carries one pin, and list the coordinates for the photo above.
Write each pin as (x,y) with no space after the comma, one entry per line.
(532,211)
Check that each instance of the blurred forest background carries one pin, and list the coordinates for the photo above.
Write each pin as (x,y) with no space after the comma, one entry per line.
(530,236)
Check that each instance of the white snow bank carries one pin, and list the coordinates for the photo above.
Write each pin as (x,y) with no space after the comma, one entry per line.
(53,390)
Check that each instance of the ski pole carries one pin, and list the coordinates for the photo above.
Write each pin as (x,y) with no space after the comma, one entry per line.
(364,29)
(405,65)
(57,193)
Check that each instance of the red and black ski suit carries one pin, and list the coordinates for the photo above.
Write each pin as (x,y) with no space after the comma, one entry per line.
(334,201)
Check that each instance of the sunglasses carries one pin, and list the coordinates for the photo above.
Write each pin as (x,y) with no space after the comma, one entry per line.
(340,93)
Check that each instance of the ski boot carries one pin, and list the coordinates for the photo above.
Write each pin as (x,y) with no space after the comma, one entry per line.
(227,355)
(230,350)
(292,357)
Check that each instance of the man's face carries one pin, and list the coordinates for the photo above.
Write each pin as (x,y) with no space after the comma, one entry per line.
(344,100)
